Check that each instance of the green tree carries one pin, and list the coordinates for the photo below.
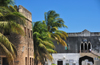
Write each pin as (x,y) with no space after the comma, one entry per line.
(53,22)
(10,22)
(6,2)
(42,43)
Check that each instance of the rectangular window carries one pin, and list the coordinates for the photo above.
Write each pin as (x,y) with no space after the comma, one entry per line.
(7,32)
(25,30)
(65,47)
(25,60)
(28,33)
(68,46)
(4,61)
(30,61)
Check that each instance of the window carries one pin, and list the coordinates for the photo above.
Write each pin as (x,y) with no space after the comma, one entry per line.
(30,61)
(81,47)
(71,60)
(28,33)
(68,46)
(25,60)
(85,40)
(89,46)
(85,46)
(4,61)
(7,32)
(25,30)
(65,47)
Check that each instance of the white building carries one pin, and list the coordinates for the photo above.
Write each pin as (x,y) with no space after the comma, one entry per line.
(78,50)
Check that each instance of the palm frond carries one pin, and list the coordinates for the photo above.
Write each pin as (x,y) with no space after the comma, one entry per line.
(7,52)
(48,44)
(11,27)
(8,47)
(8,15)
(7,43)
(1,14)
(11,8)
(51,51)
(42,45)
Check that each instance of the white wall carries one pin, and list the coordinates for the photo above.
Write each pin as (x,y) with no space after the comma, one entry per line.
(66,58)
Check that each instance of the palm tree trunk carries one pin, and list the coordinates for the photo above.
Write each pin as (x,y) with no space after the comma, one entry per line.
(48,28)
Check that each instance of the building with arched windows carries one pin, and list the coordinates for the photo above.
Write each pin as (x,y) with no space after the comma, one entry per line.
(83,49)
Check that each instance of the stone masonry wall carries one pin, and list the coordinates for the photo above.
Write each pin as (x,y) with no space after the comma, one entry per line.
(24,44)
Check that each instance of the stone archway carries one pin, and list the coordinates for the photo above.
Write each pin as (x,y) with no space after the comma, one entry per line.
(90,59)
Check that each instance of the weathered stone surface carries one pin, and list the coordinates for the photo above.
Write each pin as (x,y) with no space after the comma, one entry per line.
(74,41)
(24,44)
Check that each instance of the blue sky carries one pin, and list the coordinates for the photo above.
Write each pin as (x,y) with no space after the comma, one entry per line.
(77,14)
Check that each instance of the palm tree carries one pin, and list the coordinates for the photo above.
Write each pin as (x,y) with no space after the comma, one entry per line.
(10,21)
(53,22)
(6,2)
(42,43)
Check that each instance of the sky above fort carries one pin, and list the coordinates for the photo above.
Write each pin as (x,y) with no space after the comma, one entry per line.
(77,14)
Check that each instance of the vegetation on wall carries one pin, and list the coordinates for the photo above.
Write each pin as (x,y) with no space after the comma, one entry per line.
(10,21)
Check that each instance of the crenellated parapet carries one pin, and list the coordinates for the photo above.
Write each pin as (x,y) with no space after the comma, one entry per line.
(84,33)
(25,12)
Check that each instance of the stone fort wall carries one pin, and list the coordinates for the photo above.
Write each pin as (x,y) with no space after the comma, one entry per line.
(24,44)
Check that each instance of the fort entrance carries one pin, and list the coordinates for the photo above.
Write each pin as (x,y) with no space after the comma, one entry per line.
(86,60)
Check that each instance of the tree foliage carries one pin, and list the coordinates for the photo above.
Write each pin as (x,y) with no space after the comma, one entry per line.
(6,2)
(44,33)
(53,22)
(10,22)
(42,43)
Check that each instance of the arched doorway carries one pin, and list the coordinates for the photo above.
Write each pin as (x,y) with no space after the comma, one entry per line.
(88,59)
(60,62)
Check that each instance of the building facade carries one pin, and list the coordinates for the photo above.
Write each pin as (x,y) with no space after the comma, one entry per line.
(24,44)
(83,49)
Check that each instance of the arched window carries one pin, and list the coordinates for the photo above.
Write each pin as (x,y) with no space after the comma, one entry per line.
(82,47)
(85,46)
(89,46)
